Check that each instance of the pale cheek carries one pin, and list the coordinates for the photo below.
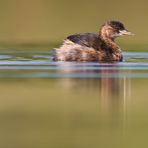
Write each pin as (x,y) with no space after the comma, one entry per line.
(110,33)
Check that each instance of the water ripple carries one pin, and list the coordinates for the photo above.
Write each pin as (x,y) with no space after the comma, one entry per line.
(39,64)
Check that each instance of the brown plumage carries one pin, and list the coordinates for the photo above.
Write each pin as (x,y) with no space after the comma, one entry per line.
(93,47)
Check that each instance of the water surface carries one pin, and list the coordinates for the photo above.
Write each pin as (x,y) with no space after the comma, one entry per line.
(39,64)
(72,104)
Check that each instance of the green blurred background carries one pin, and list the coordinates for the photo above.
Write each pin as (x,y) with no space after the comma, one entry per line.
(47,22)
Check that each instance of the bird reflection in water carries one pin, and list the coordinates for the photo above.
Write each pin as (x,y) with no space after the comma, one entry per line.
(114,89)
(109,84)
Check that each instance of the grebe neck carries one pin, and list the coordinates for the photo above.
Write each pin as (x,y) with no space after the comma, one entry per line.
(107,38)
(109,43)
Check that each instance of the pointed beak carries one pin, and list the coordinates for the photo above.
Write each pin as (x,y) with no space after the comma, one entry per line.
(125,32)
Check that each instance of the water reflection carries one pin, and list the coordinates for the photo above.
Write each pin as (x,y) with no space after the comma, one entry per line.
(115,93)
(109,95)
(112,92)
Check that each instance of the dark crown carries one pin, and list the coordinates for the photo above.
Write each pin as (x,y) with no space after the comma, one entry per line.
(116,25)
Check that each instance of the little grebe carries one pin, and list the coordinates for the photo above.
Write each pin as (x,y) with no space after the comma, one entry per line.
(93,47)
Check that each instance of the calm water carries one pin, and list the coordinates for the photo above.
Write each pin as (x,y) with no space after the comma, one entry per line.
(70,104)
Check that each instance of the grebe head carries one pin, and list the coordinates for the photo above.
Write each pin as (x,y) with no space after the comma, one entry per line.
(113,29)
